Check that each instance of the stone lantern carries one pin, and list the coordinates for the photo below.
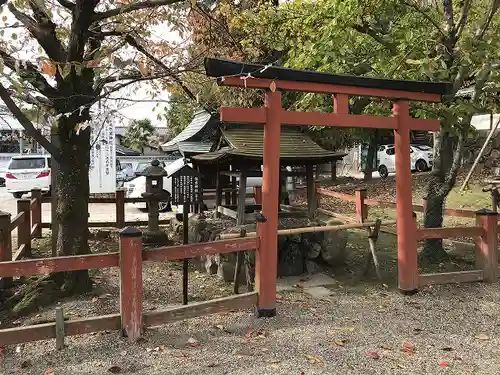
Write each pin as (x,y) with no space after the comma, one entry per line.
(154,194)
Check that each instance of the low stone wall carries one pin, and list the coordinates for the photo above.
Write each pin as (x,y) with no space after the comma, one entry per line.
(297,254)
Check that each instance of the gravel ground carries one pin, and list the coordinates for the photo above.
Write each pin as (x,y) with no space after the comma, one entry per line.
(357,330)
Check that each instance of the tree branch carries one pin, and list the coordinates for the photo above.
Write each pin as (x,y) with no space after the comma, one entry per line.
(132,8)
(27,125)
(425,14)
(448,13)
(30,74)
(67,4)
(79,28)
(364,28)
(44,30)
(495,4)
(130,40)
(464,16)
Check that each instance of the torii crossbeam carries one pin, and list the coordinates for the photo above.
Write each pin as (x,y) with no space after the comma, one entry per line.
(276,79)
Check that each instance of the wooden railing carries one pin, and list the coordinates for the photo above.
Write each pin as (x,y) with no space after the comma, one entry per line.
(131,319)
(484,233)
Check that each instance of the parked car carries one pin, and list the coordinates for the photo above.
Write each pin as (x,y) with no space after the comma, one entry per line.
(421,157)
(27,172)
(137,186)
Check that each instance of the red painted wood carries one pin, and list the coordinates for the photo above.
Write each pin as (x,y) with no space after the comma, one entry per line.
(406,226)
(60,264)
(131,286)
(343,120)
(267,252)
(361,208)
(340,104)
(322,88)
(487,246)
(334,194)
(243,115)
(199,249)
(257,193)
(423,233)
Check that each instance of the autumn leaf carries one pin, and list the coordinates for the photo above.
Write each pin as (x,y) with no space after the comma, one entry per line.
(373,355)
(114,369)
(92,63)
(49,371)
(49,68)
(340,342)
(143,68)
(444,364)
(482,336)
(408,348)
(313,359)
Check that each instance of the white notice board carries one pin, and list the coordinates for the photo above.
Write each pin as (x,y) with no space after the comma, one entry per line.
(102,169)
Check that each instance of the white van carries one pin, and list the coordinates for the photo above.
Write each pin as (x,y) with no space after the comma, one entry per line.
(26,172)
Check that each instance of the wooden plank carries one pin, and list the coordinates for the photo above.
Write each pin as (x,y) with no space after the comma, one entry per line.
(94,324)
(59,328)
(16,220)
(59,264)
(198,249)
(424,233)
(32,203)
(334,194)
(450,277)
(20,252)
(34,230)
(324,88)
(338,120)
(237,302)
(459,213)
(46,331)
(227,212)
(36,332)
(337,216)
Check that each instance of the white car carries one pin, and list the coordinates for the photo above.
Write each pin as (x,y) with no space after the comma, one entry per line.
(421,157)
(27,172)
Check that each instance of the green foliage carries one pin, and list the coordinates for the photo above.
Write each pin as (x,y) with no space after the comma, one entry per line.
(179,113)
(138,134)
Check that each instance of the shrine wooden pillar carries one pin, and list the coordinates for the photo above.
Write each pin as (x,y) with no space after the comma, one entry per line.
(406,226)
(218,192)
(267,253)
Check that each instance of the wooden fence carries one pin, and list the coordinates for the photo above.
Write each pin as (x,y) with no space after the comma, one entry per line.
(485,234)
(131,319)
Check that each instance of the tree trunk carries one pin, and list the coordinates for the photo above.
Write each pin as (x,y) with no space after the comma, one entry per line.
(368,170)
(448,152)
(72,207)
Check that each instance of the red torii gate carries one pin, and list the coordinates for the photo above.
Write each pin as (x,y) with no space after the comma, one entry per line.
(276,79)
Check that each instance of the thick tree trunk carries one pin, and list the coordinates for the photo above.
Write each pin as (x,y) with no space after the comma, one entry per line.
(72,207)
(448,151)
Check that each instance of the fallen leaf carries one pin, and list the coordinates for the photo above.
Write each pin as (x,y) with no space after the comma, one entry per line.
(373,355)
(115,369)
(408,348)
(94,300)
(49,371)
(313,359)
(26,364)
(482,336)
(123,353)
(212,365)
(149,350)
(18,349)
(278,297)
(307,306)
(447,349)
(274,361)
(444,364)
(192,341)
(386,347)
(340,342)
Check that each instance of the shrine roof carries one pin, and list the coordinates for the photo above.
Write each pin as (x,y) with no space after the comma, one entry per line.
(226,68)
(246,142)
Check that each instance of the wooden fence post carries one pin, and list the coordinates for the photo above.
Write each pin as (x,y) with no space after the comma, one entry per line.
(36,212)
(131,283)
(24,228)
(487,244)
(311,191)
(5,244)
(361,208)
(120,208)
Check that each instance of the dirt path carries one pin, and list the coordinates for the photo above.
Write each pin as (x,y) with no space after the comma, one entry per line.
(359,330)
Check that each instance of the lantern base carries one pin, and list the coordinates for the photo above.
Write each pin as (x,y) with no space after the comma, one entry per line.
(155,237)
